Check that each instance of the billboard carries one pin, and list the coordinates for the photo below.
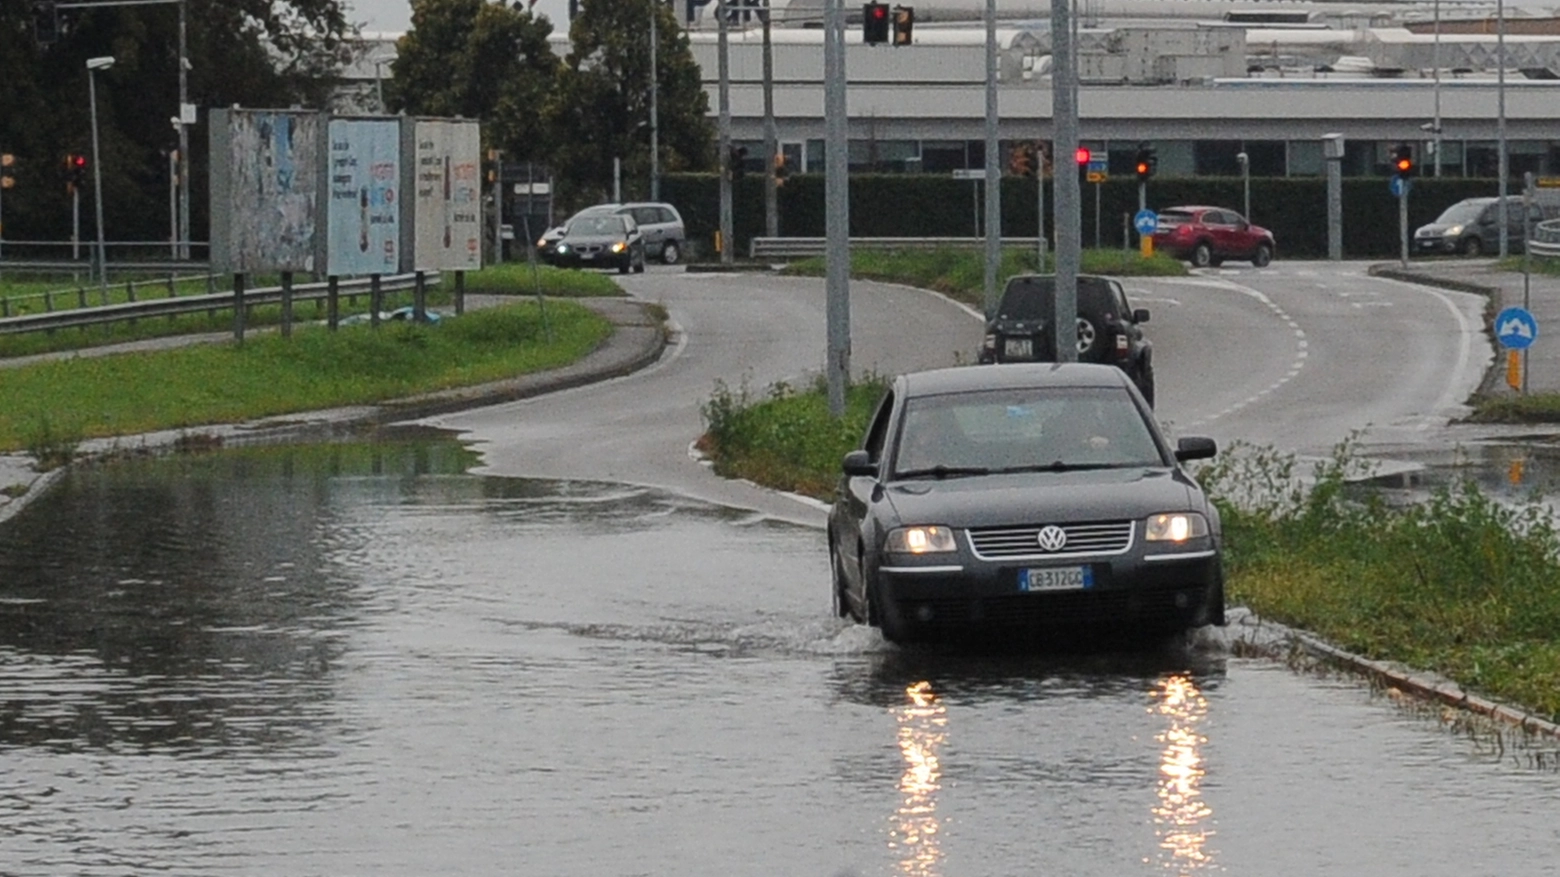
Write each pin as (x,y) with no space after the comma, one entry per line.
(363,214)
(447,195)
(265,171)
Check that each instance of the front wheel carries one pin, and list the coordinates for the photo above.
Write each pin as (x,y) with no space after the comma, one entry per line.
(1202,255)
(1145,382)
(1473,247)
(670,253)
(842,608)
(1263,256)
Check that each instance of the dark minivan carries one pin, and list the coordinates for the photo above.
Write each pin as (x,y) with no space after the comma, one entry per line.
(1110,330)
(1472,226)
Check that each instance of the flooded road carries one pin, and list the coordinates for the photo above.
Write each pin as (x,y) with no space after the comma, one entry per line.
(355,659)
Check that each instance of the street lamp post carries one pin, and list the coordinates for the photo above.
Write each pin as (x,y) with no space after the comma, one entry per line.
(94,65)
(1245,180)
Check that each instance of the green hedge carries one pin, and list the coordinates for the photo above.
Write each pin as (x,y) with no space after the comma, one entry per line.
(926,205)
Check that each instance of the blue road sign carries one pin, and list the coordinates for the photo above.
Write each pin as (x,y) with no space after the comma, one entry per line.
(1515,328)
(1399,187)
(1145,221)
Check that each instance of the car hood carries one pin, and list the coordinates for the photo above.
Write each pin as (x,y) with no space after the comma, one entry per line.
(1436,228)
(1044,497)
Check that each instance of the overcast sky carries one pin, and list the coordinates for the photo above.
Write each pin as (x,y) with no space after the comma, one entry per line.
(396,15)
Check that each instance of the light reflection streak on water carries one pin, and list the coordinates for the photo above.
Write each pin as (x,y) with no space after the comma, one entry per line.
(1181,814)
(922,723)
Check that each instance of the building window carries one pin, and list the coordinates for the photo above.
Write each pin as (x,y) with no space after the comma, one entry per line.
(942,156)
(1267,158)
(1306,158)
(1216,158)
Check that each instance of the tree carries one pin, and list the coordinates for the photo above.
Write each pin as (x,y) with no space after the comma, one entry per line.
(256,53)
(480,60)
(601,107)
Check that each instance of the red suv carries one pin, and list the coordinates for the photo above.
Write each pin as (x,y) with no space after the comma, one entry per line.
(1206,236)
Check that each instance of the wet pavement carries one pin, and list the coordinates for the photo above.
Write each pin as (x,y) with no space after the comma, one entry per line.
(351,658)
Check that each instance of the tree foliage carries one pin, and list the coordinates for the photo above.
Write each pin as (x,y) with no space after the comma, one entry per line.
(480,60)
(601,107)
(249,52)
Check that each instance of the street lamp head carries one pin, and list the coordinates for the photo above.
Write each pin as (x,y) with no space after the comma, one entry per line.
(100,63)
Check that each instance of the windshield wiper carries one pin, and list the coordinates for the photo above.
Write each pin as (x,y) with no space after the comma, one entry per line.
(1062,466)
(940,471)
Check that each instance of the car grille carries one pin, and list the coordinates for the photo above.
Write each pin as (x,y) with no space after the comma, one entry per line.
(1163,603)
(1001,543)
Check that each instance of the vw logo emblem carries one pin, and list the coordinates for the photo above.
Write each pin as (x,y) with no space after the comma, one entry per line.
(1052,538)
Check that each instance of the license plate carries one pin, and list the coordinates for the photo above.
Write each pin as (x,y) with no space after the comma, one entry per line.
(1056,578)
(1019,347)
(587,256)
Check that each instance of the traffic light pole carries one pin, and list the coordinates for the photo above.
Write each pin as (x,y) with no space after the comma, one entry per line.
(1067,195)
(1039,211)
(993,172)
(726,171)
(1403,221)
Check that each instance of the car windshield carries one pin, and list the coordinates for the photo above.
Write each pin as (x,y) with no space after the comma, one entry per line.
(1461,213)
(1029,298)
(1021,430)
(596,225)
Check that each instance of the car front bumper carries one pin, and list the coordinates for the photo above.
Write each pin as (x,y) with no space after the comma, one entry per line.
(1170,592)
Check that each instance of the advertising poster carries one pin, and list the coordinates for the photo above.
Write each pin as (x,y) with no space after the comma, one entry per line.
(448,205)
(271,185)
(364,217)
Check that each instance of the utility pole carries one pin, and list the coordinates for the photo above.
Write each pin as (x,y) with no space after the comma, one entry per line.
(725,137)
(836,206)
(186,117)
(1068,222)
(993,171)
(771,140)
(655,91)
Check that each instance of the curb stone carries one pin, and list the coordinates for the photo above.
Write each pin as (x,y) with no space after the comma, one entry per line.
(1274,640)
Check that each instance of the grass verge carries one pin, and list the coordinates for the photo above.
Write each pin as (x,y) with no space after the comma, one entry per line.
(268,375)
(960,273)
(26,296)
(1460,585)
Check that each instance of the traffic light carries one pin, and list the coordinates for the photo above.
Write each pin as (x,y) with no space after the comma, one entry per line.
(781,170)
(1021,160)
(46,22)
(7,170)
(904,21)
(874,23)
(1402,161)
(735,161)
(75,171)
(1082,156)
(1147,162)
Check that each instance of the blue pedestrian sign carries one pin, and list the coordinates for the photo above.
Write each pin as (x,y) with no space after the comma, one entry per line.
(1146,221)
(1515,328)
(1399,186)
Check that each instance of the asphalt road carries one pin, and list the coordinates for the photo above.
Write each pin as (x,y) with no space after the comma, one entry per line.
(1298,356)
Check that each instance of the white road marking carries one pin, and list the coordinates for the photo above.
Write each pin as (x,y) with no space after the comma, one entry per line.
(1301,343)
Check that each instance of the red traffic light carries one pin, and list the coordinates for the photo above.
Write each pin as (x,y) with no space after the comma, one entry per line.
(1082,155)
(879,10)
(78,161)
(1404,165)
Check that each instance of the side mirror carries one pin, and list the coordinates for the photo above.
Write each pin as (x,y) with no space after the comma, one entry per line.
(1195,447)
(1140,315)
(859,463)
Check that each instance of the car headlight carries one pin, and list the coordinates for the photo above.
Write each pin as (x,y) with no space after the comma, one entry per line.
(1176,527)
(619,247)
(921,540)
(1454,231)
(563,248)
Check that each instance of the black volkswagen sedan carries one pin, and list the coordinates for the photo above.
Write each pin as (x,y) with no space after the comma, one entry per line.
(1026,497)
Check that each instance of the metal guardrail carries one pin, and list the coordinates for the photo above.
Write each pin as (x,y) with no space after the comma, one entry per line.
(760,248)
(189,304)
(1546,239)
(61,266)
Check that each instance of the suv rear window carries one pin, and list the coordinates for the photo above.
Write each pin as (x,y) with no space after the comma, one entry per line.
(1031,298)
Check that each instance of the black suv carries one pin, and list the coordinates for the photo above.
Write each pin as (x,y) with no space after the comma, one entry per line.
(1110,330)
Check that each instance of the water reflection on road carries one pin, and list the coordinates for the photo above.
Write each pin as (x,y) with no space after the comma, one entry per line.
(355,659)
